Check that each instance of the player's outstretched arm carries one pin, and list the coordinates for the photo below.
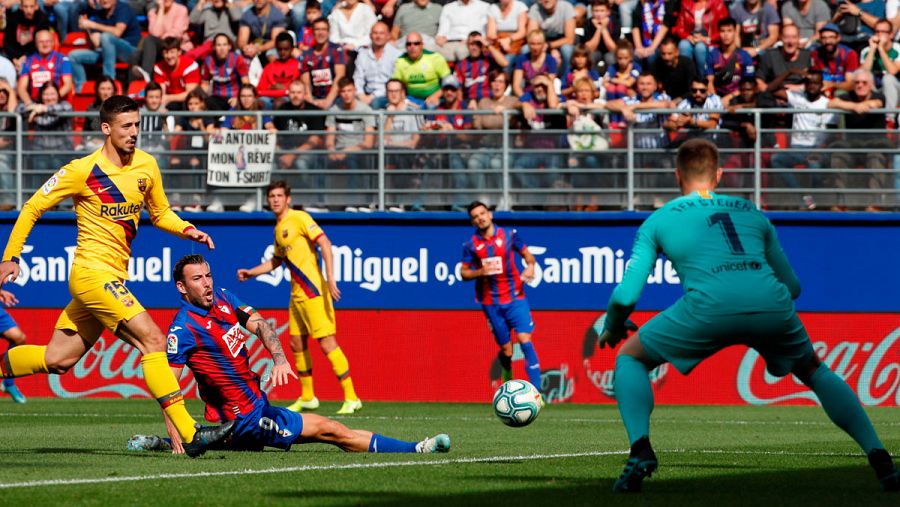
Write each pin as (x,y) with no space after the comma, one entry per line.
(199,236)
(8,298)
(468,273)
(268,266)
(9,271)
(611,336)
(528,272)
(281,371)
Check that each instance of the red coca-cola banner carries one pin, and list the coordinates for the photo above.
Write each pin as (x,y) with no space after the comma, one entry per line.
(450,356)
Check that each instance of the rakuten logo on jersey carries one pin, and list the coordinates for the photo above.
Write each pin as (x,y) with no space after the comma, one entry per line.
(871,368)
(120,210)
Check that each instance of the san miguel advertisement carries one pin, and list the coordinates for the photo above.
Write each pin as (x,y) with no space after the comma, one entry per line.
(407,322)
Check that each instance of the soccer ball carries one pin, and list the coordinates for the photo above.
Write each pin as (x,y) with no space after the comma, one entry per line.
(517,403)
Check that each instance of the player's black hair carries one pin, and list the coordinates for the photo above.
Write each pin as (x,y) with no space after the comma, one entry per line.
(697,159)
(727,22)
(279,184)
(474,205)
(178,272)
(116,105)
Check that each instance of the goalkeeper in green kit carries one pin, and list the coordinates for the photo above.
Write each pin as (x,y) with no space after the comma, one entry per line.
(738,289)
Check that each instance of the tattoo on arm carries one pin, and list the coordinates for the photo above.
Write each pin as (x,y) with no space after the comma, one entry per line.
(267,334)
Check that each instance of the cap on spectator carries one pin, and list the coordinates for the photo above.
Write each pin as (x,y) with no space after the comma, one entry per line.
(830,27)
(450,81)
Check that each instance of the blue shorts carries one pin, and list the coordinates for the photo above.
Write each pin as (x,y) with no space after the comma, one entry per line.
(267,426)
(685,338)
(504,318)
(6,321)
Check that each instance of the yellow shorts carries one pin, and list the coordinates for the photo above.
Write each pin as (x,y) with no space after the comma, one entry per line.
(99,300)
(312,317)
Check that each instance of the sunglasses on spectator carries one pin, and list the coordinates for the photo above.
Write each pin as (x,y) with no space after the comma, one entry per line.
(698,90)
(414,43)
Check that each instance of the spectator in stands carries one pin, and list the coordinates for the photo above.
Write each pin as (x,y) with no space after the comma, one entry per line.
(857,20)
(543,148)
(808,136)
(621,78)
(587,143)
(280,73)
(258,28)
(836,61)
(601,33)
(154,125)
(177,73)
(809,16)
(113,33)
(375,66)
(347,140)
(489,157)
(45,65)
(784,67)
(21,26)
(536,61)
(66,14)
(421,71)
(507,25)
(649,134)
(697,26)
(857,103)
(8,70)
(350,25)
(882,59)
(649,30)
(222,74)
(193,139)
(700,98)
(167,20)
(301,13)
(247,116)
(454,141)
(323,65)
(728,63)
(298,134)
(673,71)
(556,19)
(472,71)
(760,25)
(8,104)
(743,128)
(459,18)
(52,139)
(214,17)
(104,88)
(581,67)
(305,37)
(420,16)
(400,140)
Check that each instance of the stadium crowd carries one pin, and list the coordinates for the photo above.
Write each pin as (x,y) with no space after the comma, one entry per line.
(601,65)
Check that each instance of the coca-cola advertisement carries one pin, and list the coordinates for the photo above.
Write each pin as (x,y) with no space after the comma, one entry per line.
(428,355)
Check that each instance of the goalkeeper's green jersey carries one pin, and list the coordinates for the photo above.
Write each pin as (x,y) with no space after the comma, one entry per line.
(726,253)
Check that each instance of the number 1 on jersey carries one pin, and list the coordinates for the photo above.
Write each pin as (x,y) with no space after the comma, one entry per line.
(727,226)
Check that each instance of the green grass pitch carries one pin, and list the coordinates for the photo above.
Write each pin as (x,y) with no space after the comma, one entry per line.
(72,452)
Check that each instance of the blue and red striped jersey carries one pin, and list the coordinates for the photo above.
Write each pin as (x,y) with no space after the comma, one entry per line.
(211,343)
(502,288)
(472,74)
(321,67)
(835,68)
(224,76)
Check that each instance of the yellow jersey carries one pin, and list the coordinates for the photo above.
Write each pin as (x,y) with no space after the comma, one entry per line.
(295,245)
(108,202)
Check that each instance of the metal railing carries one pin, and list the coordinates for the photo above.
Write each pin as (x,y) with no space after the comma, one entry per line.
(510,167)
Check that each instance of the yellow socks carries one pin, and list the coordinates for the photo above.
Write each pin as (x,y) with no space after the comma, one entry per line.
(164,387)
(23,360)
(303,361)
(342,370)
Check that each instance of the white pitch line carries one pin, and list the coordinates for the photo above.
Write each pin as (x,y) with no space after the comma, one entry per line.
(307,468)
(397,464)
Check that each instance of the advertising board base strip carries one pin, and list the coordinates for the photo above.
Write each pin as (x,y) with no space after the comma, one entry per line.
(449,356)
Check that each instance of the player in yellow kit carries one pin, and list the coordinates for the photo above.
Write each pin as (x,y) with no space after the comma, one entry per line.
(297,237)
(109,188)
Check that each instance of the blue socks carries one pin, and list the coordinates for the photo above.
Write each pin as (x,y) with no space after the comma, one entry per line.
(9,382)
(532,366)
(381,443)
(634,396)
(843,408)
